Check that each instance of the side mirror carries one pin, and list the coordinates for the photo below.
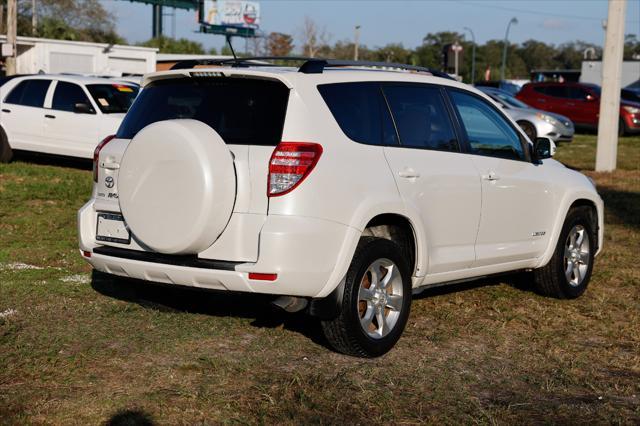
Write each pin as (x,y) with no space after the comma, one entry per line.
(83,108)
(543,148)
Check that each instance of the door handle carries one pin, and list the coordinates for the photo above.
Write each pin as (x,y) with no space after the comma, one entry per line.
(542,100)
(491,176)
(110,166)
(409,174)
(6,110)
(49,116)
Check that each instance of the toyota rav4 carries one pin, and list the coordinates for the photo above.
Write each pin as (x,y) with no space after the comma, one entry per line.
(340,188)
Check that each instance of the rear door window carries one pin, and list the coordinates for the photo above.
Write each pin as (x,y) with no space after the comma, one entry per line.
(29,93)
(67,95)
(242,111)
(360,111)
(421,117)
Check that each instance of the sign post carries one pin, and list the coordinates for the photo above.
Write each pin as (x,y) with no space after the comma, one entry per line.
(606,154)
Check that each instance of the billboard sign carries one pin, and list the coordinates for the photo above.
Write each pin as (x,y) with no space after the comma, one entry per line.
(245,14)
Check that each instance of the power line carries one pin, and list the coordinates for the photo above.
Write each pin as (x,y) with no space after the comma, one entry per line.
(534,12)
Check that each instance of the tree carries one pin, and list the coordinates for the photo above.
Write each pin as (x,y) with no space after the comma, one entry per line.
(393,52)
(82,20)
(631,47)
(312,38)
(170,45)
(279,44)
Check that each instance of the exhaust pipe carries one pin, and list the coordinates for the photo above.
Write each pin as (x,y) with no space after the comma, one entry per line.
(290,303)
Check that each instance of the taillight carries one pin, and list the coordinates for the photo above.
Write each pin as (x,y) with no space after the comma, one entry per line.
(290,164)
(96,155)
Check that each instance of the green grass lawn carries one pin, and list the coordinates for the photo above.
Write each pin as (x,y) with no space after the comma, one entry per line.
(83,348)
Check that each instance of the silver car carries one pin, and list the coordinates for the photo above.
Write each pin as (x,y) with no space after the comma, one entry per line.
(534,122)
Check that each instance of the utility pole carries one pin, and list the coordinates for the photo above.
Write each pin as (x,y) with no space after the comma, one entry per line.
(157,21)
(34,18)
(12,34)
(356,43)
(606,154)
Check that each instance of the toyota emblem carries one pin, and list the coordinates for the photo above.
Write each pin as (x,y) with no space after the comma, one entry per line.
(108,182)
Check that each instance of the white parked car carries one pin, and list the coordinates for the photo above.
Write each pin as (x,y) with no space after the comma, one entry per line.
(60,114)
(340,190)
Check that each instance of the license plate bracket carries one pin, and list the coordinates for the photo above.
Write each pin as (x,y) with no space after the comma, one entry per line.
(110,227)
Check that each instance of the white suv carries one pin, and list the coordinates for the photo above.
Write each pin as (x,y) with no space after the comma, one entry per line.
(338,187)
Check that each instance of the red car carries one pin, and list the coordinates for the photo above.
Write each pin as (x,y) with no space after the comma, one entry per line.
(578,101)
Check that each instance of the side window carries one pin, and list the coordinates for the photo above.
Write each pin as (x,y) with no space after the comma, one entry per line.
(360,111)
(578,93)
(421,117)
(29,93)
(557,91)
(67,95)
(488,132)
(540,89)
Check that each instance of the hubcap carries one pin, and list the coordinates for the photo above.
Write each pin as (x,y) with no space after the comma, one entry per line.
(380,298)
(576,255)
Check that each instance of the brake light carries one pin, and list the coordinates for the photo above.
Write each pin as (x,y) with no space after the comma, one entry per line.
(290,164)
(96,155)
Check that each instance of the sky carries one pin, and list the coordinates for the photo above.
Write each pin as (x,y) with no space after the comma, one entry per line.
(399,21)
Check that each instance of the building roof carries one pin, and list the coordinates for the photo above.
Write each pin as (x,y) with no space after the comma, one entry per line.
(32,41)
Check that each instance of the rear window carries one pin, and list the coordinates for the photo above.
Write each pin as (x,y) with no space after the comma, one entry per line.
(113,98)
(360,111)
(29,93)
(242,111)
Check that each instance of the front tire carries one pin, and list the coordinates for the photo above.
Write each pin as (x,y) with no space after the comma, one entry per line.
(567,274)
(6,153)
(375,303)
(529,129)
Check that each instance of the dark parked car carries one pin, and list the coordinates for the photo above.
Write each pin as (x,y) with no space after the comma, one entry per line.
(580,102)
(499,84)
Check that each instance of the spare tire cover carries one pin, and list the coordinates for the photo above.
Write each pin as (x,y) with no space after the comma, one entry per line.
(177,186)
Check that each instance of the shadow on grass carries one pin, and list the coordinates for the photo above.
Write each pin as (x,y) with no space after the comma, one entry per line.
(623,205)
(207,302)
(518,280)
(130,418)
(52,160)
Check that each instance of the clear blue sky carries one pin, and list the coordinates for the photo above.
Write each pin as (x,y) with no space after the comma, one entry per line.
(406,22)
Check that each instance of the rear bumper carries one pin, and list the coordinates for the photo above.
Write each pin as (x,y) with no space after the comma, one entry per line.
(302,251)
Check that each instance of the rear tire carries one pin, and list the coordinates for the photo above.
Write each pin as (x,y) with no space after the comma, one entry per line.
(529,129)
(622,128)
(376,301)
(6,153)
(567,274)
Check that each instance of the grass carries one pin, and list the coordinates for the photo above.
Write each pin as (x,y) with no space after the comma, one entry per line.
(83,348)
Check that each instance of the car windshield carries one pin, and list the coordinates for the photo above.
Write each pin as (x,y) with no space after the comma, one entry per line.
(510,100)
(634,85)
(113,98)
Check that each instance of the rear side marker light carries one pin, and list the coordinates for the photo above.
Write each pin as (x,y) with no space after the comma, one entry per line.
(86,253)
(96,155)
(262,277)
(290,164)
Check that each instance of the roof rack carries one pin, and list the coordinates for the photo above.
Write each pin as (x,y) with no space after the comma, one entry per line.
(317,66)
(309,66)
(253,61)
